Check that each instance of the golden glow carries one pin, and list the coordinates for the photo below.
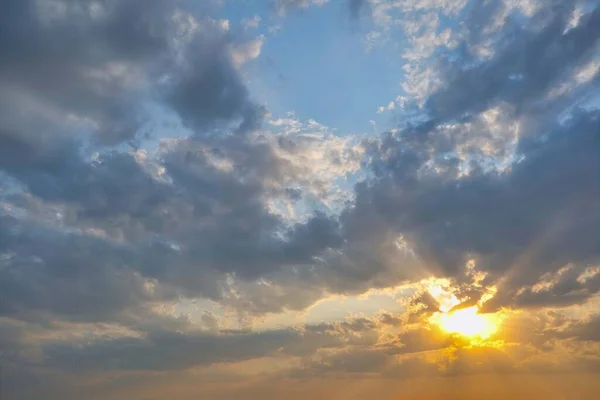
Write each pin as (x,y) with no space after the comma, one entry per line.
(467,322)
(445,298)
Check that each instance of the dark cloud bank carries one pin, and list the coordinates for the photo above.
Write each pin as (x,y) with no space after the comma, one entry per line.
(99,237)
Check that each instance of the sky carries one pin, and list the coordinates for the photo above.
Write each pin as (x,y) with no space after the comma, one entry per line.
(300,199)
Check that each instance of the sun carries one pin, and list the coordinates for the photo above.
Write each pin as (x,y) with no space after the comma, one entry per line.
(467,322)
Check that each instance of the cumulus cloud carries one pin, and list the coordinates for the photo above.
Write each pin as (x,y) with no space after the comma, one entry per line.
(424,171)
(168,220)
(110,225)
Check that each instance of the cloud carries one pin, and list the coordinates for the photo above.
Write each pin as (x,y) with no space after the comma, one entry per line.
(168,351)
(45,269)
(356,7)
(540,58)
(94,75)
(586,329)
(184,220)
(207,89)
(158,215)
(253,22)
(90,72)
(489,216)
(110,225)
(515,219)
(160,349)
(284,6)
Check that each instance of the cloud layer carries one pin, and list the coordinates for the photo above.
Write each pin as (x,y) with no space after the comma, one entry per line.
(159,225)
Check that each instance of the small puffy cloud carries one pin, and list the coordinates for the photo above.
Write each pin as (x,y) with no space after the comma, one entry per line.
(251,23)
(390,106)
(246,51)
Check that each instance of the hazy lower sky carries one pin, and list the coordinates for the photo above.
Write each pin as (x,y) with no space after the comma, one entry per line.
(300,199)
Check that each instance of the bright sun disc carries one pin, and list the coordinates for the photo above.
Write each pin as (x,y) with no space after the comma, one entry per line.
(467,322)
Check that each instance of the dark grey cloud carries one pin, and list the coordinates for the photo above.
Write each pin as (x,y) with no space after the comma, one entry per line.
(167,351)
(102,238)
(212,225)
(162,349)
(90,66)
(188,230)
(79,59)
(533,218)
(186,233)
(538,58)
(518,224)
(588,329)
(204,221)
(71,274)
(208,89)
(349,346)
